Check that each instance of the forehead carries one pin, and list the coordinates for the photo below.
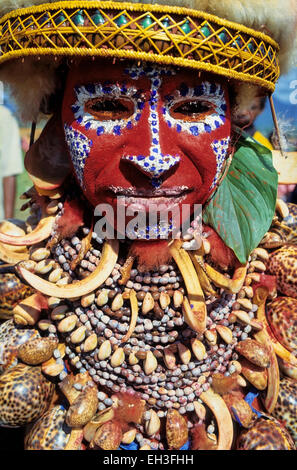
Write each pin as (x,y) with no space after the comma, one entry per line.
(122,71)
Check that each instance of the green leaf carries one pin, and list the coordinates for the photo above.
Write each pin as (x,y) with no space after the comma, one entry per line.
(242,208)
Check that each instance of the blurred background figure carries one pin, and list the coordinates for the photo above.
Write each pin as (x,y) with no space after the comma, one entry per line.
(247,117)
(285,103)
(11,161)
(256,120)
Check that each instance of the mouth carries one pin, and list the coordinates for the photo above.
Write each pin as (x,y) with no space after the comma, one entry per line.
(156,200)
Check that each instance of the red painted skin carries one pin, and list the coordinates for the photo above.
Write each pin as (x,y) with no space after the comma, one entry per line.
(104,167)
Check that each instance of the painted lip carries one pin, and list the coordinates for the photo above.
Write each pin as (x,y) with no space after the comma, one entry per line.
(145,199)
(174,191)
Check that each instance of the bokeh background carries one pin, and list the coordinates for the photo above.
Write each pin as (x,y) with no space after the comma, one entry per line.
(285,101)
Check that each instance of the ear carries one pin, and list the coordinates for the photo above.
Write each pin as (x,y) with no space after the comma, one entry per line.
(47,161)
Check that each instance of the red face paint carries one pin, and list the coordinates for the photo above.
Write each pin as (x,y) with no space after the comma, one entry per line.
(156,134)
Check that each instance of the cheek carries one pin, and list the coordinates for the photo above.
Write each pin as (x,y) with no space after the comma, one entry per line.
(97,158)
(203,144)
(79,147)
(94,157)
(208,151)
(202,156)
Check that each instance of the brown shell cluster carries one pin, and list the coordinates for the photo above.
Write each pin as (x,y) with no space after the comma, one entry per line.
(255,352)
(108,436)
(12,291)
(83,408)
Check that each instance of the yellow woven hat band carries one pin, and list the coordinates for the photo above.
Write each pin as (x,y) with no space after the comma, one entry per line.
(154,33)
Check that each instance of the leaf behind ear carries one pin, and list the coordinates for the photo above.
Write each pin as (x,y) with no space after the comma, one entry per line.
(242,208)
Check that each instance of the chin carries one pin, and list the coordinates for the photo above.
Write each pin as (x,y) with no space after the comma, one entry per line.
(164,216)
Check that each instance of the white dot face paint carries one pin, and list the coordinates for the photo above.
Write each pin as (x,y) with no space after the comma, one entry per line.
(220,148)
(211,93)
(114,92)
(156,163)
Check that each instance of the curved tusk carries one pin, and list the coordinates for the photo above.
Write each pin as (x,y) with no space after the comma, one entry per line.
(195,293)
(85,246)
(205,284)
(287,369)
(134,315)
(76,289)
(40,233)
(232,285)
(12,257)
(12,227)
(126,270)
(223,418)
(273,371)
(193,318)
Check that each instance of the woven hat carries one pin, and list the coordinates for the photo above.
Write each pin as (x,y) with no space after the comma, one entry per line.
(247,41)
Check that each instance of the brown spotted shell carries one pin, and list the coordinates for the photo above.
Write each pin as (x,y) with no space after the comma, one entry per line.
(25,395)
(291,219)
(11,337)
(108,436)
(282,319)
(12,291)
(49,432)
(283,264)
(265,434)
(83,408)
(176,429)
(286,407)
(239,408)
(255,352)
(256,375)
(37,350)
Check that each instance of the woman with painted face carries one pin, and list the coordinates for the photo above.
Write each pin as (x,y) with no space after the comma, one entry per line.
(155,241)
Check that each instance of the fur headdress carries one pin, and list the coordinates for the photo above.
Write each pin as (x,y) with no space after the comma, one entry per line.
(32,80)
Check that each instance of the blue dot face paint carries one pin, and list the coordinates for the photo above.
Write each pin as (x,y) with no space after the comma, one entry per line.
(79,148)
(220,148)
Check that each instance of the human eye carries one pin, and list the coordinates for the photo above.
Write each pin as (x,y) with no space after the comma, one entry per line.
(110,108)
(191,110)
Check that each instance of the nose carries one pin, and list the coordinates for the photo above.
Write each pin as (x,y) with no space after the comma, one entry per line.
(153,166)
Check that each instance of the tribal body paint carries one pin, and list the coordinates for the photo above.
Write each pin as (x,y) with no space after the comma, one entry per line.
(152,135)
